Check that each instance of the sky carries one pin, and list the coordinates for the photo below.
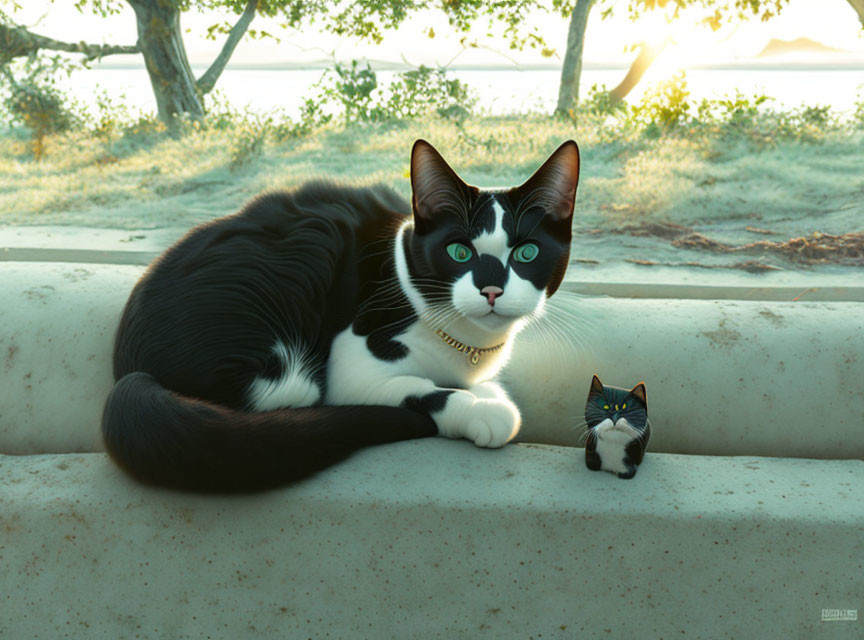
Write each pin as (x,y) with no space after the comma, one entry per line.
(832,22)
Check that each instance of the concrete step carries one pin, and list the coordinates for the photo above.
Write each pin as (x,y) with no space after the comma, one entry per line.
(438,539)
(723,377)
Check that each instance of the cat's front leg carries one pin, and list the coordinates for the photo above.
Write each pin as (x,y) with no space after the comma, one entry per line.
(487,421)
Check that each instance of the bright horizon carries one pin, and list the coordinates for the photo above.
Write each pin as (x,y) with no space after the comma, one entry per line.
(830,22)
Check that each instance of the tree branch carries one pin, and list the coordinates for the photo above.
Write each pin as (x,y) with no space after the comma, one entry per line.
(16,42)
(208,80)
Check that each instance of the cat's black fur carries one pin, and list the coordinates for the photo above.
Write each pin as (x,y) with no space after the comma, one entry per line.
(200,322)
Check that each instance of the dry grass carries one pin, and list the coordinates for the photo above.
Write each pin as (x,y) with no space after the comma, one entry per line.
(159,182)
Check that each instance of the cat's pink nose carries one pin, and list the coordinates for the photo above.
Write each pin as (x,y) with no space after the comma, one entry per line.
(491,293)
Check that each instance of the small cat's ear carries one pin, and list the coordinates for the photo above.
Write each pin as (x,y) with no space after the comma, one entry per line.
(554,184)
(596,385)
(639,392)
(435,187)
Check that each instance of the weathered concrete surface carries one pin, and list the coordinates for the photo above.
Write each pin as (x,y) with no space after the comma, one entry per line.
(438,539)
(57,325)
(723,377)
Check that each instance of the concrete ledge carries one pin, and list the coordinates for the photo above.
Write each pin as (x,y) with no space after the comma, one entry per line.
(724,377)
(437,538)
(822,283)
(57,325)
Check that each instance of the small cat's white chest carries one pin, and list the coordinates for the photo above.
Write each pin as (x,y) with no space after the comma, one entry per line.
(612,444)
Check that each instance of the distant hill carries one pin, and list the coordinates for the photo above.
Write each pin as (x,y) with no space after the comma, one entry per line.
(777,47)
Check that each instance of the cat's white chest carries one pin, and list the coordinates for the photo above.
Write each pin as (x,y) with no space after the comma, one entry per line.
(356,376)
(612,443)
(430,356)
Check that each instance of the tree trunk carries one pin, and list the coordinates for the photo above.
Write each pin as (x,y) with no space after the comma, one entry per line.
(568,92)
(647,55)
(858,5)
(161,44)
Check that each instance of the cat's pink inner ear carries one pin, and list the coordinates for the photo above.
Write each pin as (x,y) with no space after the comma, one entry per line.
(434,185)
(640,392)
(556,180)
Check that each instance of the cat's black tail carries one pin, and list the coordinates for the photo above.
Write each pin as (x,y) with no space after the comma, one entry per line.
(163,438)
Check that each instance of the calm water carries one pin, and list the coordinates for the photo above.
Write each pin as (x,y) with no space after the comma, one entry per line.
(499,91)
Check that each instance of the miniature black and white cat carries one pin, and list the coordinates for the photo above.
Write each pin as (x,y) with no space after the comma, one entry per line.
(618,428)
(269,344)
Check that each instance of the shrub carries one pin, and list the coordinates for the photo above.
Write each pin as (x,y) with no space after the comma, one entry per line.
(599,102)
(738,111)
(352,87)
(858,113)
(353,93)
(664,107)
(36,103)
(416,93)
(249,142)
(111,116)
(666,110)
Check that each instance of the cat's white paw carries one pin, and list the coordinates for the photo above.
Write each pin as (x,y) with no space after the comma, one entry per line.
(621,431)
(451,421)
(492,423)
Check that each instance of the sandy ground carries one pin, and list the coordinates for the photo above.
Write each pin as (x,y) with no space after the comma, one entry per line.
(671,208)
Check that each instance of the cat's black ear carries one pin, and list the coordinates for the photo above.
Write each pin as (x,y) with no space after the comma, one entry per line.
(435,187)
(596,386)
(639,392)
(554,184)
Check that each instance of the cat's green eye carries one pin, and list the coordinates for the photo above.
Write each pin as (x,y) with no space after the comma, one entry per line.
(459,252)
(623,406)
(605,406)
(526,252)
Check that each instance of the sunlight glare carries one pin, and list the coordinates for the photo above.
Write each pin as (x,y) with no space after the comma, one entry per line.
(684,42)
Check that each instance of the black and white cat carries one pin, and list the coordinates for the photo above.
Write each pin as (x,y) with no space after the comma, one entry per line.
(269,344)
(618,428)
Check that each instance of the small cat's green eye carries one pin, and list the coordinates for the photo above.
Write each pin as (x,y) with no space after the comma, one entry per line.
(526,253)
(623,406)
(605,406)
(459,252)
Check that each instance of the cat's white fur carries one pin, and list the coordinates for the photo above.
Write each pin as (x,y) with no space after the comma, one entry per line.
(478,409)
(612,440)
(295,388)
(494,242)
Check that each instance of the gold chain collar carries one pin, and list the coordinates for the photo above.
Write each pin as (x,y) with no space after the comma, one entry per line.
(473,353)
